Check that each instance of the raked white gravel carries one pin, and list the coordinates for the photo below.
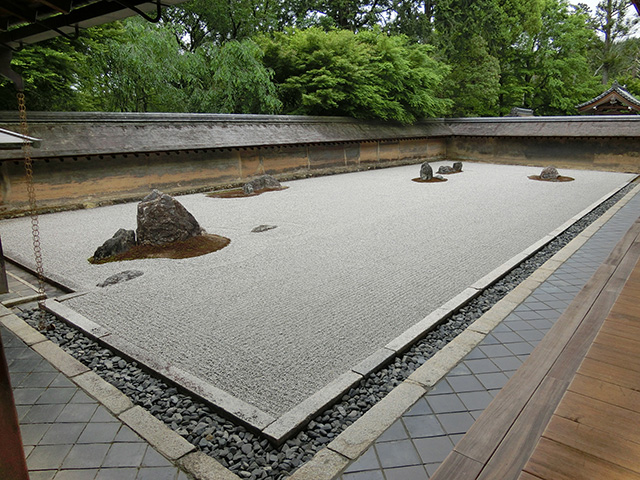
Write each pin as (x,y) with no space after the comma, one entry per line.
(356,259)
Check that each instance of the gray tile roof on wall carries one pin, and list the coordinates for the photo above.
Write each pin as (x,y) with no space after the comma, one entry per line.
(75,134)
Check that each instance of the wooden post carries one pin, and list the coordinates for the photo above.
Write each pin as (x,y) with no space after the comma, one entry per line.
(4,285)
(12,462)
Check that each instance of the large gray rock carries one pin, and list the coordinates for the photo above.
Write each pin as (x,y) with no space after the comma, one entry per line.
(457,166)
(426,172)
(162,219)
(445,169)
(549,173)
(264,182)
(121,241)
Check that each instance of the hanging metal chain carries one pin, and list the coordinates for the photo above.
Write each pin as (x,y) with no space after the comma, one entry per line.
(33,206)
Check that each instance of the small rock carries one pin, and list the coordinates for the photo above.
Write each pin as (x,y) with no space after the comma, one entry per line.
(121,277)
(263,228)
(445,169)
(121,241)
(426,172)
(457,166)
(549,173)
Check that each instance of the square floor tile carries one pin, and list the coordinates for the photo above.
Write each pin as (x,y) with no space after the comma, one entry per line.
(47,457)
(465,383)
(74,412)
(102,415)
(445,403)
(41,414)
(397,454)
(125,455)
(157,473)
(482,366)
(367,461)
(38,380)
(493,380)
(421,407)
(441,387)
(532,336)
(435,449)
(521,348)
(27,396)
(153,459)
(508,337)
(493,351)
(459,422)
(394,432)
(57,395)
(32,433)
(508,363)
(423,426)
(475,400)
(117,474)
(475,354)
(99,433)
(86,474)
(415,472)
(86,456)
(459,369)
(370,475)
(60,433)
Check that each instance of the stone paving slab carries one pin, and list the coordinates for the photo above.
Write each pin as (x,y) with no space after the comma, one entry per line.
(68,434)
(289,310)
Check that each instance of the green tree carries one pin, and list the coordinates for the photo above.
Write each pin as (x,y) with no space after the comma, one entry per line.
(200,22)
(560,74)
(240,83)
(50,72)
(614,23)
(365,75)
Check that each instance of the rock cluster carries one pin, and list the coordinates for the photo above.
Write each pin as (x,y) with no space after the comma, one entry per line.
(549,173)
(446,169)
(264,182)
(161,219)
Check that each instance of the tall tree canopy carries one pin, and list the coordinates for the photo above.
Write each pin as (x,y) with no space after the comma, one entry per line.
(367,58)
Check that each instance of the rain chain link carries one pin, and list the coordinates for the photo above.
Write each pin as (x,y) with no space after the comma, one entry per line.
(33,206)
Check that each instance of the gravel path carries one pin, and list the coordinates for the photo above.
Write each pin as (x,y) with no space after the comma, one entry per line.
(356,260)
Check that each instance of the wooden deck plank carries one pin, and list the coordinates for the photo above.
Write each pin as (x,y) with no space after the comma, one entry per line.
(624,344)
(527,476)
(607,353)
(606,392)
(518,444)
(458,466)
(554,461)
(594,413)
(603,444)
(609,373)
(631,333)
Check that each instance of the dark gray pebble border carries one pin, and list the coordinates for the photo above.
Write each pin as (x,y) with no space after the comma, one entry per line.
(245,453)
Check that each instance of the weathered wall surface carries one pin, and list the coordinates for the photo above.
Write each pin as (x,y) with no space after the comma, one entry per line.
(91,159)
(612,154)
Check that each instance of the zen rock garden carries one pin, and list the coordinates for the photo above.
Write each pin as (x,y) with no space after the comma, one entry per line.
(165,229)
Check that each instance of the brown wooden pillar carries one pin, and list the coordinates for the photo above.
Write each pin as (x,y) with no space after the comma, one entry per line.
(12,462)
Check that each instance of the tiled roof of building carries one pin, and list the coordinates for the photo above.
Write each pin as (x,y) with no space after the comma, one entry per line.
(617,93)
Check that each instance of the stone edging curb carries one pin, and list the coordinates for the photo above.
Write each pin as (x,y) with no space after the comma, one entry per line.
(167,442)
(356,439)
